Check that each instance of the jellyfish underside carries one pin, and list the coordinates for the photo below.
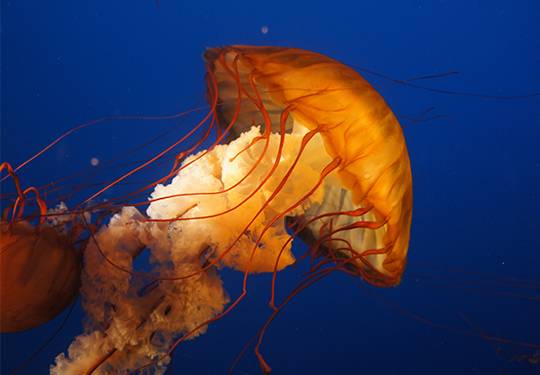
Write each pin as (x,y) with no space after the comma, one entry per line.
(229,206)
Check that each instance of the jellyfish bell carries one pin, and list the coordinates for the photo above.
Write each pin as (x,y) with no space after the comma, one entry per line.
(39,264)
(349,120)
(39,272)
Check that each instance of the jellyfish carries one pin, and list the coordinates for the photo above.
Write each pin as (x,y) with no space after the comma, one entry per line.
(39,264)
(304,148)
(345,131)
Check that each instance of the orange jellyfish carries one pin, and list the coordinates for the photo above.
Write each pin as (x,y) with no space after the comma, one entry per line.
(39,265)
(303,147)
(301,92)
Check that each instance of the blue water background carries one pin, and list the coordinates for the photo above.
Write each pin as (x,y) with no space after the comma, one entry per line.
(476,170)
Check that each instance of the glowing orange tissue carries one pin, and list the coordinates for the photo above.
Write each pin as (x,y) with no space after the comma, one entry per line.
(328,100)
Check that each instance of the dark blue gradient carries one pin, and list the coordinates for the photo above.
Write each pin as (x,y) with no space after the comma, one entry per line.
(474,264)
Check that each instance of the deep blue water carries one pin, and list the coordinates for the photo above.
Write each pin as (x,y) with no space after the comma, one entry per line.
(476,169)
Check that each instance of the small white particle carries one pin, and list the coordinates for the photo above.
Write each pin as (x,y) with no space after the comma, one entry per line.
(94,162)
(264,29)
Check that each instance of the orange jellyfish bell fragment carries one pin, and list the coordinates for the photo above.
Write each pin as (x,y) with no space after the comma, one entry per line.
(356,126)
(40,275)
